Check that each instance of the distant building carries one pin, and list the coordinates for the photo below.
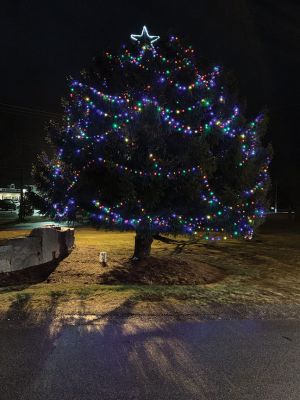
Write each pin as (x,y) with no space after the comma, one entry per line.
(13,193)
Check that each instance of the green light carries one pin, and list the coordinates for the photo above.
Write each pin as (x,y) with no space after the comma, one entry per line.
(207,128)
(205,102)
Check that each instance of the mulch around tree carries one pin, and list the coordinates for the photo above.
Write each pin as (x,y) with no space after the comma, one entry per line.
(162,271)
(83,265)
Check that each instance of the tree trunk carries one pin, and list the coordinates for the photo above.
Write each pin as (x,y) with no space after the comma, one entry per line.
(143,241)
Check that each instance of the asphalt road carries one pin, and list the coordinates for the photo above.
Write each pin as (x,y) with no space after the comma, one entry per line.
(8,222)
(159,358)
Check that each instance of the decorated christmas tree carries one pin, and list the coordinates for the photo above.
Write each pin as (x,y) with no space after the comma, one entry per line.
(152,139)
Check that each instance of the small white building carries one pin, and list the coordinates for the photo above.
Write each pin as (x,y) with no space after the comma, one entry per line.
(11,193)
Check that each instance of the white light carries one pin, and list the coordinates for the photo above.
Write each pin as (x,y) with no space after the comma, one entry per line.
(145,36)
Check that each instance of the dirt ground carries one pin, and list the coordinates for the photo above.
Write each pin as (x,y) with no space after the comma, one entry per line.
(82,265)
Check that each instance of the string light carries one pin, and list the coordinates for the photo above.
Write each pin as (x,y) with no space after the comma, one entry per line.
(95,116)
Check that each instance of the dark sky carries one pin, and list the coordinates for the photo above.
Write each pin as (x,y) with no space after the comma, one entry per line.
(43,42)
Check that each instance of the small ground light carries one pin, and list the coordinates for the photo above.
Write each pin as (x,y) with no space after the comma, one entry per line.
(103,257)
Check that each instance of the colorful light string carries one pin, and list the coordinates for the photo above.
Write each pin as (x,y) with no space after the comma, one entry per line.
(115,113)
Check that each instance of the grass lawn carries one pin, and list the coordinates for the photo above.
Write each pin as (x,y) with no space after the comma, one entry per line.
(265,270)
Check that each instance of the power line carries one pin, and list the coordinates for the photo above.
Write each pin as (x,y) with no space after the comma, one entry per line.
(14,168)
(28,114)
(28,108)
(14,109)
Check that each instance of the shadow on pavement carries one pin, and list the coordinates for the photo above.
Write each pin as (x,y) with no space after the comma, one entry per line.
(124,356)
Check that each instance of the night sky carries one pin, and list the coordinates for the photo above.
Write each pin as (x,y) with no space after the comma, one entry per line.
(44,42)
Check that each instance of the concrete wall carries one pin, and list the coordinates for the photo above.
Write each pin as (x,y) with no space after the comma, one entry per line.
(42,246)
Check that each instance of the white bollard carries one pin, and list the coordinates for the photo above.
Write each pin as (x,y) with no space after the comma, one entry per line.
(103,257)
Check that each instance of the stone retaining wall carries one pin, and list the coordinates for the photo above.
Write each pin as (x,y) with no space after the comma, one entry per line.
(42,246)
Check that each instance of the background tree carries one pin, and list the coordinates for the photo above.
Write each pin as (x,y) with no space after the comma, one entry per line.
(37,202)
(153,139)
(26,207)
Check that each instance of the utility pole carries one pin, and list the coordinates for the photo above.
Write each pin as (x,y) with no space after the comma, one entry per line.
(21,208)
(276,198)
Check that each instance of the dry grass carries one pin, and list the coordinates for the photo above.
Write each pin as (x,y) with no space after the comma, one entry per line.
(263,271)
(11,234)
(164,267)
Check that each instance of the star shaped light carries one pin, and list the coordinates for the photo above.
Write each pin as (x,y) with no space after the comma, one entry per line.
(144,37)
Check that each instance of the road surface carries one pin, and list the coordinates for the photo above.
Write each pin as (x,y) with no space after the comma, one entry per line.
(8,222)
(150,358)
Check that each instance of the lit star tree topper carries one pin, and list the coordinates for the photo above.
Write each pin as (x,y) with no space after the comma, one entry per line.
(144,38)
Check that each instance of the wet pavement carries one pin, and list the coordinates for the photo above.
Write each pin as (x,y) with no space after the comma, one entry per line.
(158,357)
